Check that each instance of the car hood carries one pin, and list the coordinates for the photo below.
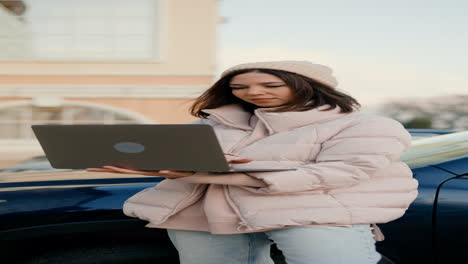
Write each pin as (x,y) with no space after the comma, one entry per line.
(36,198)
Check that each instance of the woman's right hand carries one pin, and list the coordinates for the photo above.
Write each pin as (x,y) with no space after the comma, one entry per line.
(161,173)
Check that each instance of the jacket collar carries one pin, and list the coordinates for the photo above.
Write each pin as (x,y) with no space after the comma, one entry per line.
(235,116)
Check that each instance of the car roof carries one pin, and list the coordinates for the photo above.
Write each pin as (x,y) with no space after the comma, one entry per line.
(417,133)
(438,149)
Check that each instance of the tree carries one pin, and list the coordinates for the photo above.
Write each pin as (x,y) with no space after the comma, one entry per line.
(419,122)
(448,112)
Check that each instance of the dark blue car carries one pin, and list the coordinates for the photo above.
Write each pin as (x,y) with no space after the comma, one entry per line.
(63,216)
(435,227)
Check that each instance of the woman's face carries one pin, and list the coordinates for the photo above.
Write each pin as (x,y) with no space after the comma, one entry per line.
(261,89)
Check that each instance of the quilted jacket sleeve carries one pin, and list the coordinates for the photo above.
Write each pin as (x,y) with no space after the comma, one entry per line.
(353,155)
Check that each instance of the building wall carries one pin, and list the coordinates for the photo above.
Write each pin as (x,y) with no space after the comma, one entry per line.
(188,44)
(161,111)
(160,89)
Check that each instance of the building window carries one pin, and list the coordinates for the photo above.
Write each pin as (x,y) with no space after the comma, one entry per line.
(80,30)
(16,121)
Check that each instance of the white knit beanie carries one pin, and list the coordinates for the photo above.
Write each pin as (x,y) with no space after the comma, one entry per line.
(316,72)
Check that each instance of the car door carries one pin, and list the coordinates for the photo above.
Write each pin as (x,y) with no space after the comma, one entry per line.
(451,215)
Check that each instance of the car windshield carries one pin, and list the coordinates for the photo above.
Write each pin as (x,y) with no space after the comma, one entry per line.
(437,149)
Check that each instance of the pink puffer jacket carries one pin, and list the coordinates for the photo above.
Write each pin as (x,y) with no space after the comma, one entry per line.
(348,171)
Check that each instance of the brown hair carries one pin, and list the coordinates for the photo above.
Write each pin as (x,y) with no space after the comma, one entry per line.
(308,94)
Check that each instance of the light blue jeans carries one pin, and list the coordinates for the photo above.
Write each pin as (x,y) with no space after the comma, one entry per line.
(300,245)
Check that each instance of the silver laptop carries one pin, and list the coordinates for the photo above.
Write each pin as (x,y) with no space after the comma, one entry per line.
(187,147)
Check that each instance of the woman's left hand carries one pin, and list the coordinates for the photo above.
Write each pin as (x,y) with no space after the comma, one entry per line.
(234,159)
(162,173)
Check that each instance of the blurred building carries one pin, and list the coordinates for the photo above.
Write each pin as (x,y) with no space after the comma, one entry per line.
(106,61)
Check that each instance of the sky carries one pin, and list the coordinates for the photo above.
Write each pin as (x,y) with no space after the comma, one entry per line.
(379,50)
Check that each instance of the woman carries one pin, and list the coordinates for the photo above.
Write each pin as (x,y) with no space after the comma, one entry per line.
(284,114)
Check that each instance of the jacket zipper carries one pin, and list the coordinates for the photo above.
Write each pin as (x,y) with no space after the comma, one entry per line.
(243,224)
(235,147)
